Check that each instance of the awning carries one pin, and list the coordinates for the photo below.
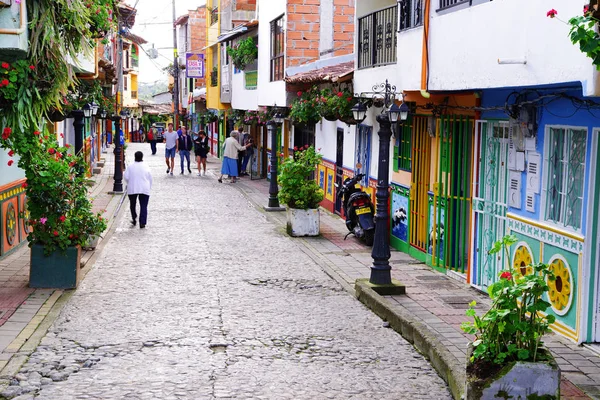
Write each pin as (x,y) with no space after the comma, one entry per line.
(238,31)
(333,73)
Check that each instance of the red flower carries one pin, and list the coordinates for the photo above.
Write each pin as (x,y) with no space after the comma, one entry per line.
(11,153)
(552,13)
(10,162)
(506,275)
(51,150)
(59,155)
(340,94)
(36,133)
(62,218)
(72,163)
(295,148)
(62,136)
(5,82)
(349,99)
(24,185)
(67,145)
(55,233)
(281,154)
(586,9)
(306,146)
(5,65)
(6,133)
(299,94)
(71,236)
(32,67)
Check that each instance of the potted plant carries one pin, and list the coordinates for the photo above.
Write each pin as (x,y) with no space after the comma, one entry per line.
(300,192)
(243,53)
(58,209)
(506,359)
(255,118)
(305,109)
(335,104)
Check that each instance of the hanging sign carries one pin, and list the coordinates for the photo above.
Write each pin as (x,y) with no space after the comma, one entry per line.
(194,65)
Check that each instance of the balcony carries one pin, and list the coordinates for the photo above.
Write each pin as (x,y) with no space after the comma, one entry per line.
(214,15)
(377,38)
(450,3)
(411,13)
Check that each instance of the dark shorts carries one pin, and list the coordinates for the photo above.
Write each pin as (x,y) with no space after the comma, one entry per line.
(201,154)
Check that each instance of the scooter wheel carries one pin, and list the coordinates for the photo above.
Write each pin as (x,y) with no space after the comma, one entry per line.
(369,237)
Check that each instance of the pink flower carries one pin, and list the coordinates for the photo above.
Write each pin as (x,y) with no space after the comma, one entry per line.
(586,9)
(62,136)
(43,220)
(506,275)
(295,148)
(552,13)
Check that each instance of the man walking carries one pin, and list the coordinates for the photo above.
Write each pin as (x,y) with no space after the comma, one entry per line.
(139,184)
(152,138)
(184,145)
(243,140)
(171,148)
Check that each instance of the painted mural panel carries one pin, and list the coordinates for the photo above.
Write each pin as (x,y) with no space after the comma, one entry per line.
(329,193)
(436,240)
(400,215)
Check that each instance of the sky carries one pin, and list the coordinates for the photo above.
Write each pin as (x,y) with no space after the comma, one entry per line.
(154,22)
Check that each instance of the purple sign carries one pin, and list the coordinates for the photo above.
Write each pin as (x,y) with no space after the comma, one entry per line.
(194,65)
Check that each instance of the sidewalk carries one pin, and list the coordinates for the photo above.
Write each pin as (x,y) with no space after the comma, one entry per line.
(430,313)
(23,309)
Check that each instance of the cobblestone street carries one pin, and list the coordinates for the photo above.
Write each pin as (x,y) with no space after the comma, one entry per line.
(212,300)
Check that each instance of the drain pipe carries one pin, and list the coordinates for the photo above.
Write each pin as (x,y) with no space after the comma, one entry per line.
(425,52)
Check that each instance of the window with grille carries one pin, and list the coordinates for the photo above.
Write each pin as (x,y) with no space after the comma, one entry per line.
(565,175)
(277,49)
(410,13)
(403,147)
(363,152)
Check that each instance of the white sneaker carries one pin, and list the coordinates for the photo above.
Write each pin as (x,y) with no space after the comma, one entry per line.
(199,174)
(203,173)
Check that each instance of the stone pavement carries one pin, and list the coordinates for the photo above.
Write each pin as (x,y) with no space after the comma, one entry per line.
(433,306)
(212,300)
(22,309)
(430,313)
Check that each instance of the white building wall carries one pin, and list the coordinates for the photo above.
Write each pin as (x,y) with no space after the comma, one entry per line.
(466,45)
(269,93)
(242,98)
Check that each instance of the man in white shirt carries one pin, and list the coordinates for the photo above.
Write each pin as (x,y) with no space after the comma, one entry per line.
(170,138)
(139,184)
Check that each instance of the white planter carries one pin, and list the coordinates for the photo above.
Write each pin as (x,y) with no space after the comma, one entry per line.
(303,222)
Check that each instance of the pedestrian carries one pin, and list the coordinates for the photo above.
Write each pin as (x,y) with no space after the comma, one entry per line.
(152,138)
(139,184)
(247,156)
(242,139)
(231,148)
(141,138)
(184,145)
(170,139)
(201,152)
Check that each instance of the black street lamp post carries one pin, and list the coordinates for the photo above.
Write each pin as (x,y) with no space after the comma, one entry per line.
(273,204)
(380,269)
(118,184)
(78,124)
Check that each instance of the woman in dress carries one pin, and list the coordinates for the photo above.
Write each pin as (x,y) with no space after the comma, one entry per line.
(201,151)
(231,148)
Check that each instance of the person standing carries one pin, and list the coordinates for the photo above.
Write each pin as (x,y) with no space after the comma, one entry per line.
(201,149)
(184,145)
(139,184)
(170,139)
(152,138)
(242,139)
(231,148)
(247,156)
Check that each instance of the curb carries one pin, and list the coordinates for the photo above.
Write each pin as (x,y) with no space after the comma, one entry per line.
(30,337)
(416,333)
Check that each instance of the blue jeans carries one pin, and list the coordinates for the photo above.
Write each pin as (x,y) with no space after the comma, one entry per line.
(170,153)
(184,154)
(247,158)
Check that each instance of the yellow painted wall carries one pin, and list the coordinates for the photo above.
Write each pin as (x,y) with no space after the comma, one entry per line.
(213,93)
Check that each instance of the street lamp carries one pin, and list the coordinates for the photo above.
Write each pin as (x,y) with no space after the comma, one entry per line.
(87,111)
(94,107)
(359,111)
(273,204)
(380,269)
(118,177)
(103,114)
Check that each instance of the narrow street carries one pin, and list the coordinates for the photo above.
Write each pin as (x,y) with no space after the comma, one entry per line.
(210,301)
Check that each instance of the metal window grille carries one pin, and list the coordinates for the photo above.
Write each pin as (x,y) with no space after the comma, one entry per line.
(214,15)
(410,13)
(214,78)
(377,38)
(565,158)
(363,152)
(451,3)
(404,143)
(277,49)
